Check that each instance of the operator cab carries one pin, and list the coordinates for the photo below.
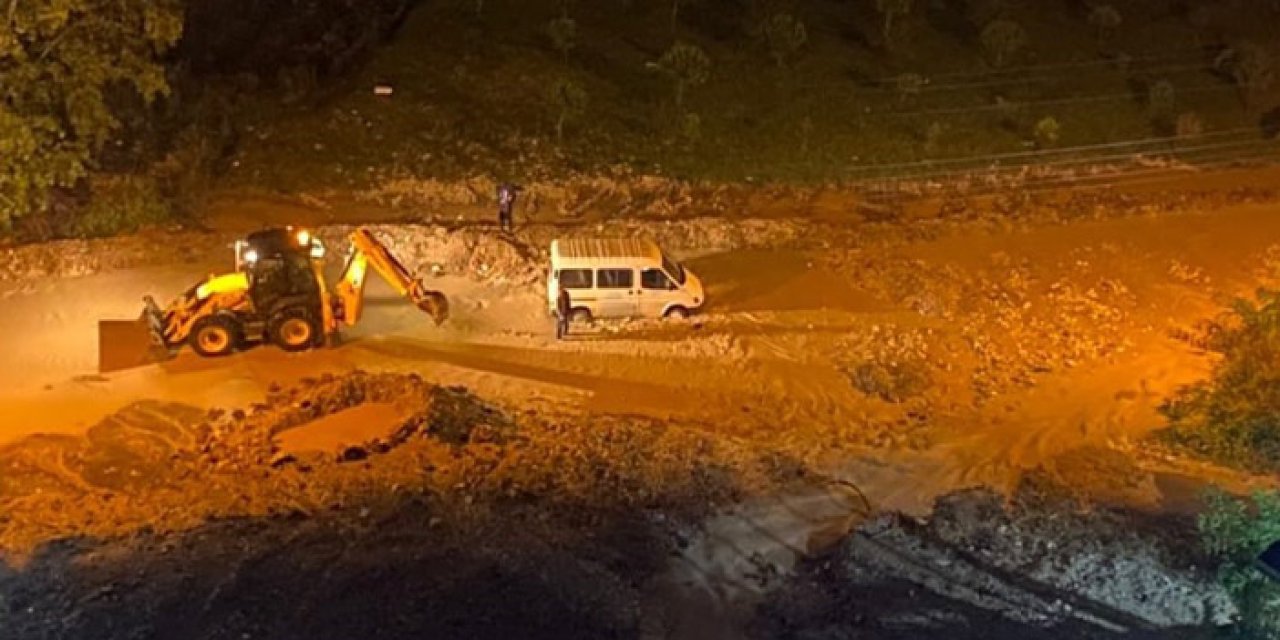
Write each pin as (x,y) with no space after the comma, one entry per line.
(275,242)
(283,269)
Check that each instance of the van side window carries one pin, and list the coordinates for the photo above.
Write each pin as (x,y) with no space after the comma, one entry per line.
(575,278)
(655,279)
(615,278)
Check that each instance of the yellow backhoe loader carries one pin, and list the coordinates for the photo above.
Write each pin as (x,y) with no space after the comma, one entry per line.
(277,294)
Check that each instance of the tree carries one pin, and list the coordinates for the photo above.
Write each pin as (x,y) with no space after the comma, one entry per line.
(1105,20)
(890,11)
(569,99)
(1252,67)
(1161,103)
(785,35)
(563,33)
(687,66)
(1003,39)
(59,60)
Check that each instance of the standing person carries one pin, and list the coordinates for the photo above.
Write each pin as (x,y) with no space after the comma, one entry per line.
(564,306)
(506,205)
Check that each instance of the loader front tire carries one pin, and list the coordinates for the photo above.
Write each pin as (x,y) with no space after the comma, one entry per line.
(215,336)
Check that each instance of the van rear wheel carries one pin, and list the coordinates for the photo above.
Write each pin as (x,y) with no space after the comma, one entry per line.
(677,313)
(580,315)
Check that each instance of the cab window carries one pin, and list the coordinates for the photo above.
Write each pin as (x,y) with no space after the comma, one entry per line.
(575,278)
(656,279)
(615,278)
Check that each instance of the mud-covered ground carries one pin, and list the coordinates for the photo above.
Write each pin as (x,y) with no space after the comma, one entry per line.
(1040,564)
(457,519)
(692,479)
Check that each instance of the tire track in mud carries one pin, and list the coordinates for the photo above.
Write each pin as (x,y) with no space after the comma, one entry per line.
(129,450)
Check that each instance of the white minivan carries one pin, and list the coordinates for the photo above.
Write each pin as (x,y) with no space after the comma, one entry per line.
(621,279)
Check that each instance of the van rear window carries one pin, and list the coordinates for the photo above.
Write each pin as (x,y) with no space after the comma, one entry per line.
(575,278)
(616,278)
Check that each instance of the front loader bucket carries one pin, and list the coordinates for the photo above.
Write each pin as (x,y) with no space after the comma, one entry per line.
(125,344)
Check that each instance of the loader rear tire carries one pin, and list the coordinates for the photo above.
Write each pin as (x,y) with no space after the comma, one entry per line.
(215,336)
(294,330)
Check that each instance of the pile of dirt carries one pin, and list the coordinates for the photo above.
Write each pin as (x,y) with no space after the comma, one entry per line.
(169,467)
(1042,565)
(76,258)
(1008,322)
(620,195)
(456,518)
(433,250)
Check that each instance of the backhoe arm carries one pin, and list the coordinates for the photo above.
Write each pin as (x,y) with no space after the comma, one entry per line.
(368,252)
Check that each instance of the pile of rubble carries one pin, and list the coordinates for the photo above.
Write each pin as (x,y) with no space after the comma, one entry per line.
(75,258)
(979,567)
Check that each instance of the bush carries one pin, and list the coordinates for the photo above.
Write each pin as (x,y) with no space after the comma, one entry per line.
(1105,20)
(1188,125)
(1236,531)
(909,86)
(1047,133)
(1234,417)
(1161,105)
(121,204)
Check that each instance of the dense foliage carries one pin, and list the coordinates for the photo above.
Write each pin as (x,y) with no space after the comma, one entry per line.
(63,65)
(1234,417)
(1237,531)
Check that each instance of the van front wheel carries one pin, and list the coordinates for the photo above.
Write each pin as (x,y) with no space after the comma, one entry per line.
(580,315)
(677,313)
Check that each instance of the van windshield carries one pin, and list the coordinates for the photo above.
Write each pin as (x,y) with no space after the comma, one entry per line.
(673,269)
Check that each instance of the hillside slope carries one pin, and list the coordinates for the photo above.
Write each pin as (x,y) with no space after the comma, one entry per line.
(473,91)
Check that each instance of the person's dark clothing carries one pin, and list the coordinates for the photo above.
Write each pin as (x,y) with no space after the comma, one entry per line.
(563,307)
(506,205)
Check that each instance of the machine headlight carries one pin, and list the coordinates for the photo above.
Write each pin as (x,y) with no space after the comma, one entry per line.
(304,237)
(251,256)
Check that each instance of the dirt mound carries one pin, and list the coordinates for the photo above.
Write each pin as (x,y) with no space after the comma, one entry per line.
(522,260)
(454,519)
(76,258)
(435,250)
(622,195)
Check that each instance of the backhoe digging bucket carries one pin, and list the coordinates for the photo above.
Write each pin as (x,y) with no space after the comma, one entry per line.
(436,305)
(125,344)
